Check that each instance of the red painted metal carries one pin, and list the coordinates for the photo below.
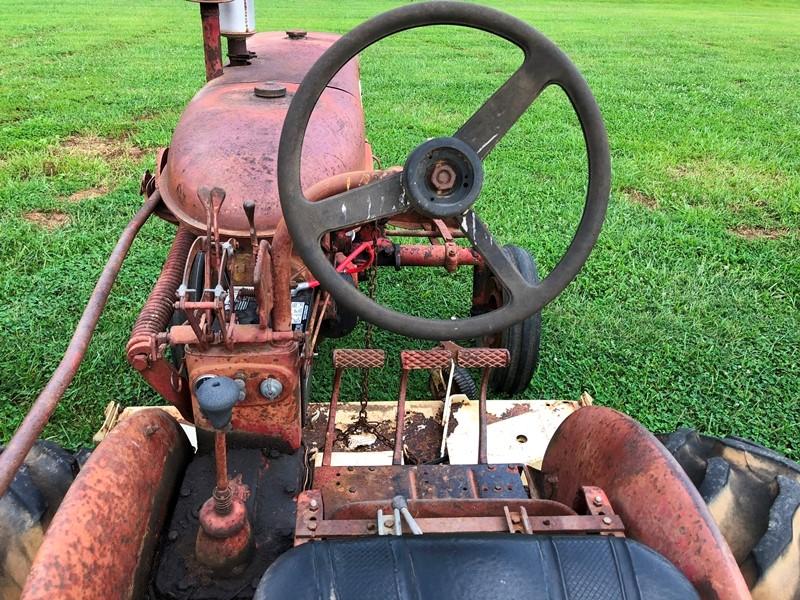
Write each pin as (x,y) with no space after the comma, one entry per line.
(648,489)
(447,515)
(209,17)
(432,255)
(142,350)
(255,415)
(224,538)
(282,248)
(38,415)
(440,508)
(228,137)
(102,539)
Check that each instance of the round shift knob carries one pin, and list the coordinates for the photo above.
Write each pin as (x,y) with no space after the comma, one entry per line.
(216,396)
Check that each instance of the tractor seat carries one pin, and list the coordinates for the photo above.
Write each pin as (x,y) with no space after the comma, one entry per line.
(474,567)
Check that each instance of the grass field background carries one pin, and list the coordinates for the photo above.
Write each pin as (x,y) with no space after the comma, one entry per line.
(686,313)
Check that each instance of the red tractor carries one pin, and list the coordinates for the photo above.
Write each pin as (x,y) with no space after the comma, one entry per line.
(279,217)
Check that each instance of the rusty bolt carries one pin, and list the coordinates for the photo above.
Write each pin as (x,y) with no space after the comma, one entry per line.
(598,501)
(371,527)
(296,34)
(351,489)
(515,519)
(607,520)
(313,505)
(388,523)
(312,525)
(443,177)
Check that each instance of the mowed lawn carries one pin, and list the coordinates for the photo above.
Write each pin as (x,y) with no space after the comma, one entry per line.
(686,313)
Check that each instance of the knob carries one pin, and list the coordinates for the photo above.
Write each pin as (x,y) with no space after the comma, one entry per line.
(217,396)
(271,388)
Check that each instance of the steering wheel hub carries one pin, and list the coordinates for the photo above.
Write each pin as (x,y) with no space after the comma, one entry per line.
(443,177)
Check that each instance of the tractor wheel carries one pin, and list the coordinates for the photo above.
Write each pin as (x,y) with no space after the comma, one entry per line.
(754,496)
(463,383)
(27,509)
(522,339)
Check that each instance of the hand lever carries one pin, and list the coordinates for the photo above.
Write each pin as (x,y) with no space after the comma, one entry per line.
(250,210)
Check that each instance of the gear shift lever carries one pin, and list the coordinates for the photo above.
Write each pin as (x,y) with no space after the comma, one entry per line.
(223,539)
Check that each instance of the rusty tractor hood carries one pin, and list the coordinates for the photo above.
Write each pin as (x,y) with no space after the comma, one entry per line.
(228,137)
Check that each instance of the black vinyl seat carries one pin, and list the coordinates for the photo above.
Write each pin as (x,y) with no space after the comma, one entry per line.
(474,567)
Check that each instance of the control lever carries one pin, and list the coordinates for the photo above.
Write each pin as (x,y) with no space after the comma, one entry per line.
(400,505)
(223,539)
(249,207)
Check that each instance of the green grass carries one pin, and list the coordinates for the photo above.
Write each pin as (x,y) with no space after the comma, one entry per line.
(686,313)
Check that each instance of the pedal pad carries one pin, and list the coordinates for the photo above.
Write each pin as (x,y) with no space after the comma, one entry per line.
(351,358)
(438,358)
(483,358)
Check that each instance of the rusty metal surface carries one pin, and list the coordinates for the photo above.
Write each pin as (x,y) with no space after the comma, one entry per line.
(445,516)
(350,358)
(101,541)
(428,255)
(648,489)
(282,249)
(342,485)
(142,348)
(445,507)
(278,418)
(483,358)
(274,479)
(209,17)
(228,137)
(425,359)
(38,415)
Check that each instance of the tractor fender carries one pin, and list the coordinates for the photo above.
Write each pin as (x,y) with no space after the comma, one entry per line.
(101,541)
(646,486)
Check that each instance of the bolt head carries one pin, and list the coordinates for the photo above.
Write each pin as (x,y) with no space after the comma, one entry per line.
(607,520)
(443,177)
(313,505)
(312,525)
(598,501)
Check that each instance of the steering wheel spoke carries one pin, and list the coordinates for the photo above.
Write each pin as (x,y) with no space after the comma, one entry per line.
(491,122)
(495,258)
(380,199)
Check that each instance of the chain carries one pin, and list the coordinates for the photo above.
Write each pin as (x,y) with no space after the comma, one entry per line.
(362,424)
(372,279)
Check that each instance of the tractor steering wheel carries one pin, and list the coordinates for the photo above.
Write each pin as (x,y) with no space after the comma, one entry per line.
(415,189)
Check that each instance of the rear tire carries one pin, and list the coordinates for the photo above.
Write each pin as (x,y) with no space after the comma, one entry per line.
(753,494)
(27,509)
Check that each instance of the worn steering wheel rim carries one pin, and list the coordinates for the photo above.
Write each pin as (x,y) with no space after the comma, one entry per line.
(544,64)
